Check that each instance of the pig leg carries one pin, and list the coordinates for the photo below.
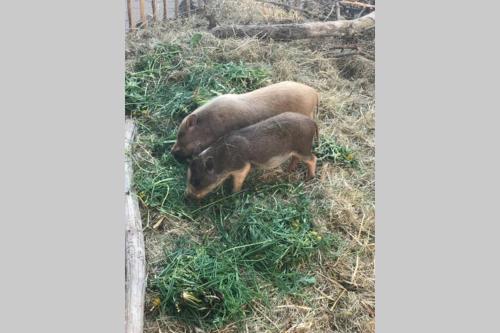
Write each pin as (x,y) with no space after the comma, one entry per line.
(239,177)
(293,163)
(311,166)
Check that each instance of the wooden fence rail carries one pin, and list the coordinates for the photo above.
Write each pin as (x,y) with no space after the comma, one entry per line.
(135,258)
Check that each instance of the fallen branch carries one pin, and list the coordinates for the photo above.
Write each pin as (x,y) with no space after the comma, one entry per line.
(355,4)
(361,12)
(135,262)
(298,30)
(331,11)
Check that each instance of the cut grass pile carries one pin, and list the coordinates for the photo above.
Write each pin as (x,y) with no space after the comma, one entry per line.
(251,244)
(258,242)
(329,150)
(171,83)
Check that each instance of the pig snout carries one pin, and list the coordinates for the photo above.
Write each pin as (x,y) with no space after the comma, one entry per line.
(193,195)
(177,154)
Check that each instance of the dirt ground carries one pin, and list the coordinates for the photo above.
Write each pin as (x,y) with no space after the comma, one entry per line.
(343,297)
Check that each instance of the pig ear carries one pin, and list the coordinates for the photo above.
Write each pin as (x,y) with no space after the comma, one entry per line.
(209,164)
(191,120)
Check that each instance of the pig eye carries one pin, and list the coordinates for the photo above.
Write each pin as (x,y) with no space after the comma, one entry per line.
(209,164)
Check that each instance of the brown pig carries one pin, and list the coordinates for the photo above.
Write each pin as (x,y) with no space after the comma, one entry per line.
(226,113)
(266,145)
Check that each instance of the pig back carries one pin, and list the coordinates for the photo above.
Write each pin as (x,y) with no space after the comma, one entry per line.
(279,135)
(231,112)
(282,97)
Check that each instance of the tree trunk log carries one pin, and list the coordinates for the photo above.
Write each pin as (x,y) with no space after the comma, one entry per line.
(298,30)
(135,261)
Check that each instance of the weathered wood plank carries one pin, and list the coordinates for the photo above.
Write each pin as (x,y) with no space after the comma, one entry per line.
(135,259)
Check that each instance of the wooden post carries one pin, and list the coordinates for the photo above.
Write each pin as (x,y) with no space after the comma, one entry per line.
(135,258)
(337,11)
(188,7)
(176,8)
(165,16)
(144,20)
(131,24)
(153,4)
